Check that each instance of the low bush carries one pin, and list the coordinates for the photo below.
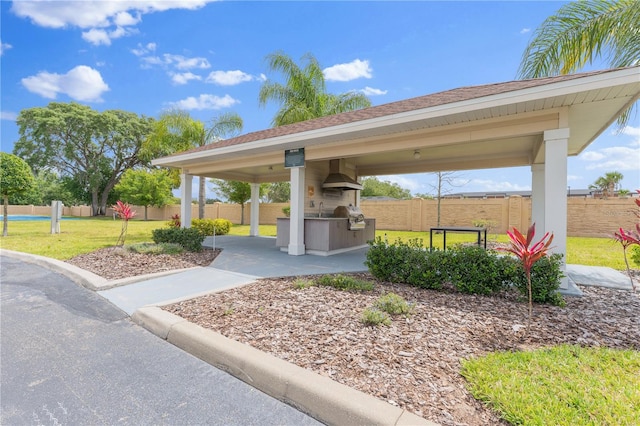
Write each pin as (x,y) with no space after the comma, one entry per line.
(428,269)
(209,227)
(392,262)
(469,269)
(635,255)
(189,238)
(393,304)
(344,282)
(374,317)
(545,280)
(162,248)
(302,283)
(474,270)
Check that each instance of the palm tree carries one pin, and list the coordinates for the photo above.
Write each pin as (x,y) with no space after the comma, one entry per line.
(579,33)
(303,96)
(608,183)
(177,131)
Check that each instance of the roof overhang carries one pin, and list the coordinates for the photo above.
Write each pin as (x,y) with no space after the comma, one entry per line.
(489,131)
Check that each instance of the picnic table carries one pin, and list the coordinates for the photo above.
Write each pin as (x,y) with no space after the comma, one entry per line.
(478,230)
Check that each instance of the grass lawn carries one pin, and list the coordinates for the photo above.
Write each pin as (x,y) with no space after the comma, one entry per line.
(88,234)
(561,385)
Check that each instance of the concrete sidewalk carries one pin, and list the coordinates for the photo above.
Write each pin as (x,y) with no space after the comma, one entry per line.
(242,261)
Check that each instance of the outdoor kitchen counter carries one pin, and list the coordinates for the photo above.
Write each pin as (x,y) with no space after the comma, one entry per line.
(327,235)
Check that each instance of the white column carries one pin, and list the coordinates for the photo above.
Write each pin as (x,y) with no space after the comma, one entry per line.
(296,220)
(254,228)
(186,185)
(537,195)
(555,192)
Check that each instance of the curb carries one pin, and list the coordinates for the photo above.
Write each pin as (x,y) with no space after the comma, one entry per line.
(78,275)
(320,397)
(83,277)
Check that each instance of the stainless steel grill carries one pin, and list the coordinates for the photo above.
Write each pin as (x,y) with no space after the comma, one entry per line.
(353,213)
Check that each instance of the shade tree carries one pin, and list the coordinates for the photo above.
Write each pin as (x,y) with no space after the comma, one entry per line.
(147,188)
(15,178)
(92,148)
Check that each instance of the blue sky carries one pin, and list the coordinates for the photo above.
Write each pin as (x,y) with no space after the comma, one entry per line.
(209,58)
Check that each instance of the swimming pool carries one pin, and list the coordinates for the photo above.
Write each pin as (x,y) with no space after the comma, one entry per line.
(27,217)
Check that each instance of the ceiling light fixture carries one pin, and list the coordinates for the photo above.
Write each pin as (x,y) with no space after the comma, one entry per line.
(416,154)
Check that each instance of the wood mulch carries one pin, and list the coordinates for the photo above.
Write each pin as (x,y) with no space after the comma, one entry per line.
(415,362)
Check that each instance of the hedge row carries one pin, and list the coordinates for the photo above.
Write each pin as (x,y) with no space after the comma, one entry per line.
(470,269)
(190,238)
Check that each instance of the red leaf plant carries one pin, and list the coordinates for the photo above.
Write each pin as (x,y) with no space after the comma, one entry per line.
(628,239)
(528,254)
(124,212)
(175,221)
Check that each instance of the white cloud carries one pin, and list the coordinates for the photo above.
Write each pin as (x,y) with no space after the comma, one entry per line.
(149,61)
(412,185)
(168,60)
(616,158)
(182,63)
(184,78)
(124,19)
(229,78)
(3,47)
(205,101)
(634,132)
(525,30)
(347,72)
(96,37)
(8,115)
(143,50)
(493,186)
(81,83)
(99,36)
(370,91)
(96,14)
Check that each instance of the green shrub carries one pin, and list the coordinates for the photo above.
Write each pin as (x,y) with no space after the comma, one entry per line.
(209,227)
(162,248)
(374,317)
(391,262)
(428,269)
(302,283)
(189,238)
(545,280)
(287,211)
(344,282)
(393,304)
(635,255)
(474,270)
(470,269)
(223,226)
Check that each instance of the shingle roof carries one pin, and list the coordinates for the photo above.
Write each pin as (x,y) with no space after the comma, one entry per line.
(427,101)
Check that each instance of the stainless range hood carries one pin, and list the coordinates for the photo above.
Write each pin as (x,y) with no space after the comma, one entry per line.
(338,180)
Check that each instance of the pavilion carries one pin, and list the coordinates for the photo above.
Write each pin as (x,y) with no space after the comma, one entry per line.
(536,123)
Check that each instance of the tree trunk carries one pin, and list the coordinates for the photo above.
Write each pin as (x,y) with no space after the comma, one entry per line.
(145,213)
(202,194)
(5,218)
(242,214)
(95,209)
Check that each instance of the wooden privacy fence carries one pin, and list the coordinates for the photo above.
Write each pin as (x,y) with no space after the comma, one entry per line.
(587,217)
